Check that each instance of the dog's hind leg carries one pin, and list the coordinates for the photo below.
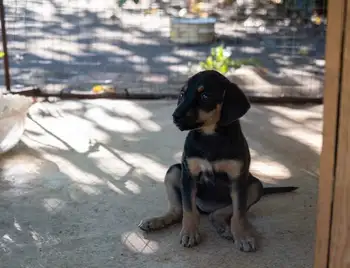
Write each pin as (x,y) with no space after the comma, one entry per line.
(174,213)
(220,218)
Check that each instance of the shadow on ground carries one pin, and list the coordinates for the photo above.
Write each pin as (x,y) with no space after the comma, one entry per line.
(73,192)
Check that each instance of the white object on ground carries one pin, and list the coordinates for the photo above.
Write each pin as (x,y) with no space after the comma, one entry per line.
(13,113)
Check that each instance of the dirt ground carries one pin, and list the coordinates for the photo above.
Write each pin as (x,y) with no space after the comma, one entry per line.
(86,172)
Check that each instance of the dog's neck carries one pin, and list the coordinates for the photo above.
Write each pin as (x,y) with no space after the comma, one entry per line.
(208,130)
(232,129)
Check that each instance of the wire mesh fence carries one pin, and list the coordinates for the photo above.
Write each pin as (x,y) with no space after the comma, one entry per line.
(75,44)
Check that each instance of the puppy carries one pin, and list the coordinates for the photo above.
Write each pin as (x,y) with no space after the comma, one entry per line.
(213,176)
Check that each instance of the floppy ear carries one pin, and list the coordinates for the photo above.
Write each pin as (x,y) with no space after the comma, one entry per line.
(235,104)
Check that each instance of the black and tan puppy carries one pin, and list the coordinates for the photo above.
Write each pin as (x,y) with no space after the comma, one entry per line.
(213,176)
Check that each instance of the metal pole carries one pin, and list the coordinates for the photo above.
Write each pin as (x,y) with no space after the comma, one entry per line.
(4,47)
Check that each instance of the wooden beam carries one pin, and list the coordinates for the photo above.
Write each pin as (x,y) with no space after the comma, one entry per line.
(334,48)
(340,227)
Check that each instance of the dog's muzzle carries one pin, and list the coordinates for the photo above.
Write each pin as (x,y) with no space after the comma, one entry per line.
(180,115)
(181,123)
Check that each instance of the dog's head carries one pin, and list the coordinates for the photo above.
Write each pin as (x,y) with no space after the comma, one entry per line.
(207,100)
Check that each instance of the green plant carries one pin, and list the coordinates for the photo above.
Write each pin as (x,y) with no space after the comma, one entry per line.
(219,60)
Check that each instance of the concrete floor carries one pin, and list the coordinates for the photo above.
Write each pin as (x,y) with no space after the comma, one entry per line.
(86,172)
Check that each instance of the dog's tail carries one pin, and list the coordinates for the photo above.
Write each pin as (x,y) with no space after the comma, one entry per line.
(279,190)
(274,190)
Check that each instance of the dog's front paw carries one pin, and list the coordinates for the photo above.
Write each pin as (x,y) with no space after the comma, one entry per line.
(156,223)
(189,235)
(246,242)
(189,238)
(243,237)
(152,224)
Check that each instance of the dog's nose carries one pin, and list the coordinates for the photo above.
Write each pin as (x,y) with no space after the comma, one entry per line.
(176,117)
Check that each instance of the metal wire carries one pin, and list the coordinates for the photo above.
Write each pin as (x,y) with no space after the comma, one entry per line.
(55,44)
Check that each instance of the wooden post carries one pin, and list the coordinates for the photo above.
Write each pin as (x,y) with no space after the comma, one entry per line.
(333,219)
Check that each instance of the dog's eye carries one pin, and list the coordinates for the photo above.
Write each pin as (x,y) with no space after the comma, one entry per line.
(204,97)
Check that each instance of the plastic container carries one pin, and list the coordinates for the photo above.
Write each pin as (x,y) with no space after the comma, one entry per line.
(192,30)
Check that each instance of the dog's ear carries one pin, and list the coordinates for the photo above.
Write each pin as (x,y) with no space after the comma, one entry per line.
(235,104)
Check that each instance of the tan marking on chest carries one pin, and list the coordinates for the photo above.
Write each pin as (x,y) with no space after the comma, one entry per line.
(197,165)
(231,167)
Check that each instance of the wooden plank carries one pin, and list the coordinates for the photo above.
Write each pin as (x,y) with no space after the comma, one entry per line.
(334,46)
(340,228)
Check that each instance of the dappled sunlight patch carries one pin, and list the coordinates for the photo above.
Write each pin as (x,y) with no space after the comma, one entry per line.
(138,244)
(44,239)
(132,187)
(144,41)
(295,114)
(150,167)
(179,68)
(132,109)
(139,174)
(131,138)
(272,168)
(141,67)
(282,122)
(7,238)
(17,225)
(106,121)
(46,10)
(78,192)
(253,153)
(155,78)
(35,235)
(114,188)
(246,120)
(34,134)
(304,136)
(89,129)
(105,47)
(251,50)
(69,133)
(177,156)
(53,205)
(44,51)
(128,117)
(5,243)
(167,59)
(75,173)
(150,126)
(19,173)
(24,169)
(112,165)
(186,53)
(137,59)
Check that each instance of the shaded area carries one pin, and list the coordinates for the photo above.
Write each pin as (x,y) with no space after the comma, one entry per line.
(54,44)
(74,191)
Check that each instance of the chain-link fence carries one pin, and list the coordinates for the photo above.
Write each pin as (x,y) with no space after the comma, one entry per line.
(274,48)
